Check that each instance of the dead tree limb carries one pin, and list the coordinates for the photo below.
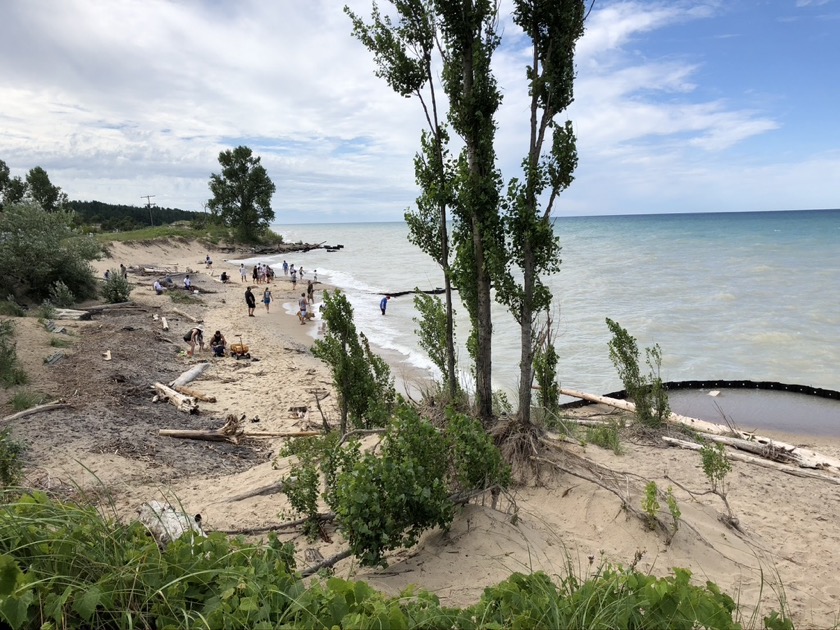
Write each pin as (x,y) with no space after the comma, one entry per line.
(194,320)
(274,488)
(332,560)
(249,531)
(33,410)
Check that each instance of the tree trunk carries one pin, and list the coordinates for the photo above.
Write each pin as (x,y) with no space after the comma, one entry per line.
(526,339)
(483,357)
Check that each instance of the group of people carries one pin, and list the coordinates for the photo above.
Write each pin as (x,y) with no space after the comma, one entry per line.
(195,337)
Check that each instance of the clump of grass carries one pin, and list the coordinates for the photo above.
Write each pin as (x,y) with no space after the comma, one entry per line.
(25,399)
(57,342)
(182,297)
(606,436)
(11,462)
(46,310)
(11,308)
(11,372)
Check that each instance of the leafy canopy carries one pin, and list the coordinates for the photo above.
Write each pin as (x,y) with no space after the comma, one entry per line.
(242,193)
(39,249)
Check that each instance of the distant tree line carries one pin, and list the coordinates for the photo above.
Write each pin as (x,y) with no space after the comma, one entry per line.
(118,217)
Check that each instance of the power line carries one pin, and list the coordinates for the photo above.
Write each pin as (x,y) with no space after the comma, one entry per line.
(148,199)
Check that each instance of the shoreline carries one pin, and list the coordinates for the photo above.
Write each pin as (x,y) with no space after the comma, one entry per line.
(563,518)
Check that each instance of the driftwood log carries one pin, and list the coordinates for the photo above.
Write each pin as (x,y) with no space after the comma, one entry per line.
(190,375)
(187,404)
(194,393)
(194,320)
(69,313)
(33,410)
(232,431)
(164,324)
(756,461)
(797,456)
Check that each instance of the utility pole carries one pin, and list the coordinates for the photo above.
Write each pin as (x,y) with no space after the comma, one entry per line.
(148,199)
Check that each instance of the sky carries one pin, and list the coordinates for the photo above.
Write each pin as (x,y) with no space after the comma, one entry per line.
(680,106)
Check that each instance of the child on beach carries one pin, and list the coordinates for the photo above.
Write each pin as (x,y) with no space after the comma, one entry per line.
(310,292)
(303,305)
(266,298)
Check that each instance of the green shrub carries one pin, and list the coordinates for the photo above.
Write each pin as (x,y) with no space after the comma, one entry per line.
(476,462)
(431,330)
(650,504)
(182,297)
(45,311)
(11,461)
(647,392)
(386,502)
(11,372)
(674,509)
(40,248)
(11,308)
(61,295)
(545,374)
(116,288)
(362,380)
(716,466)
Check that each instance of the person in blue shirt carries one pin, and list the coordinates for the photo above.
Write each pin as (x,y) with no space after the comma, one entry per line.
(383,304)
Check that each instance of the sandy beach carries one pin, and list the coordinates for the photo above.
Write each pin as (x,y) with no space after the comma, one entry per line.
(108,442)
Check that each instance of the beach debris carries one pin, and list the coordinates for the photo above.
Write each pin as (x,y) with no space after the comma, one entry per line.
(187,404)
(54,358)
(194,393)
(69,313)
(194,320)
(52,406)
(232,431)
(190,375)
(714,393)
(106,355)
(166,523)
(797,456)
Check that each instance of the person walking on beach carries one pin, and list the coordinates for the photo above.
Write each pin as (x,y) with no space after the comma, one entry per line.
(251,301)
(285,268)
(123,271)
(294,277)
(310,292)
(383,304)
(243,273)
(266,298)
(255,275)
(304,307)
(208,262)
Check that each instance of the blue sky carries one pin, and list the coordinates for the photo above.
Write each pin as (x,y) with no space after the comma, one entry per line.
(681,106)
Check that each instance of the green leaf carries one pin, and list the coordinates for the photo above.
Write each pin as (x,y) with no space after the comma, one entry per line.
(85,605)
(10,574)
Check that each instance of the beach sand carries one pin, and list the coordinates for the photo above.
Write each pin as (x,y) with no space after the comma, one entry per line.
(107,442)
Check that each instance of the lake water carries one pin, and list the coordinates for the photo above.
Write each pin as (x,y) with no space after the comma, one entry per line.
(725,295)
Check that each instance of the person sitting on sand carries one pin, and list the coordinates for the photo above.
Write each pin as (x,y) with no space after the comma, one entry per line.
(195,337)
(218,343)
(187,282)
(158,287)
(224,277)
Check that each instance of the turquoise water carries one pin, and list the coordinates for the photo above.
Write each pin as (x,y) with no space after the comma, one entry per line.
(726,295)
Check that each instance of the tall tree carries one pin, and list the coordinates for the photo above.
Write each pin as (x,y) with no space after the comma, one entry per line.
(242,193)
(554,26)
(404,51)
(469,36)
(41,190)
(12,189)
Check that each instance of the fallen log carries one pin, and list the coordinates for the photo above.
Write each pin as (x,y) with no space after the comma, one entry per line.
(194,393)
(69,313)
(183,403)
(190,375)
(33,410)
(194,320)
(270,489)
(802,457)
(756,461)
